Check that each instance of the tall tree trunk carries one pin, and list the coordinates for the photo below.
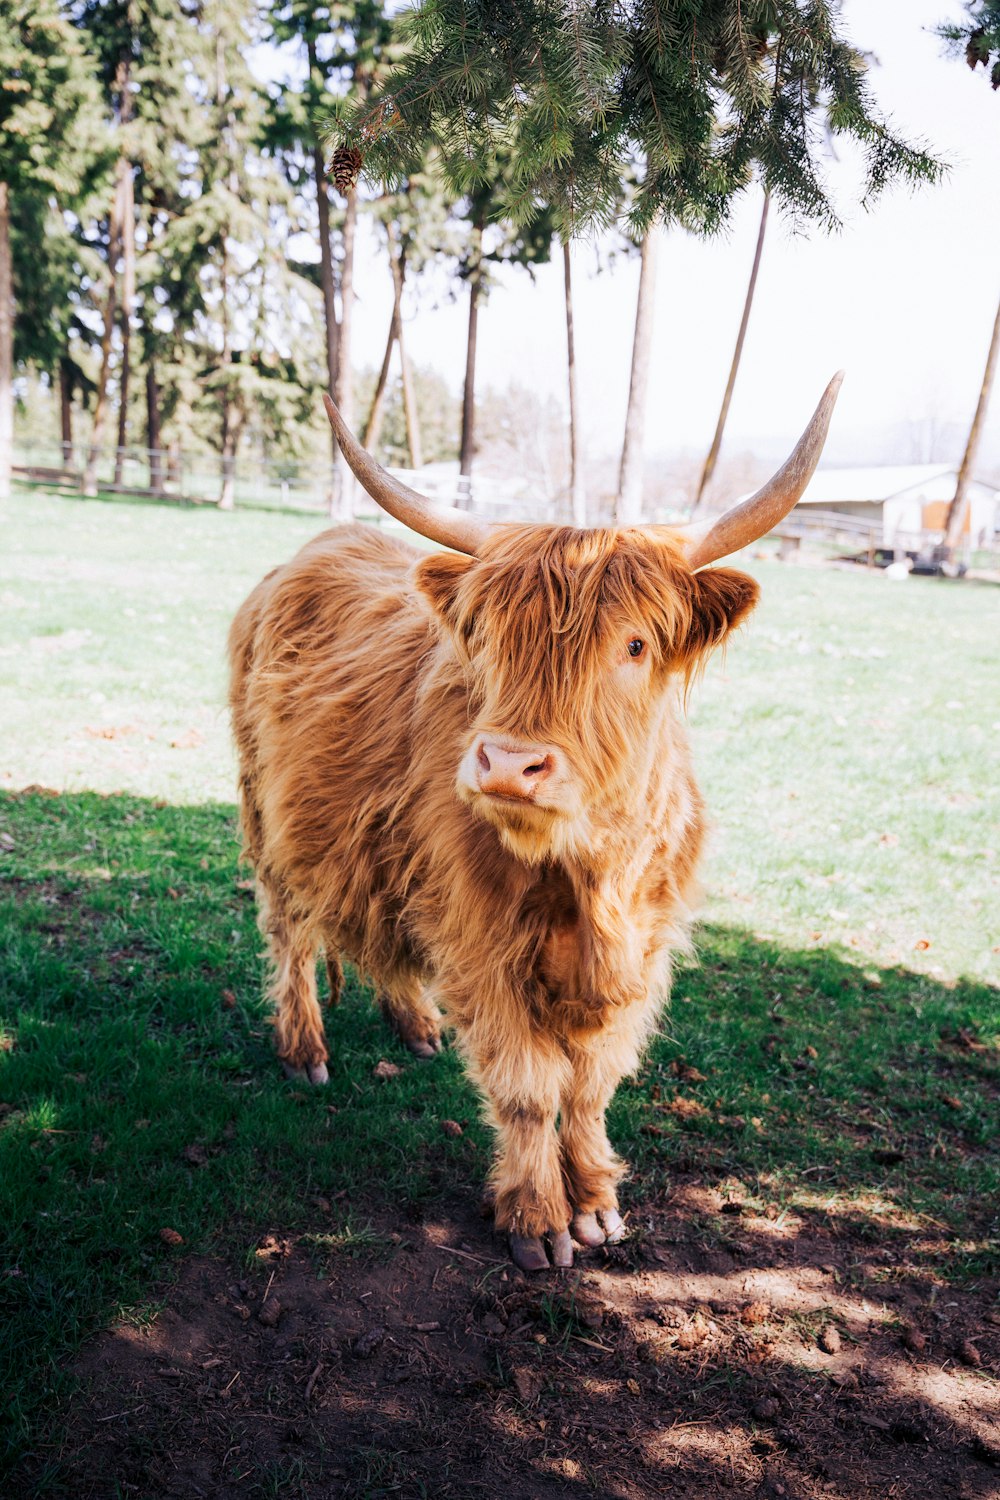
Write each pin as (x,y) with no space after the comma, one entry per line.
(373,424)
(327,282)
(469,389)
(229,434)
(101,399)
(153,436)
(6,345)
(720,426)
(343,393)
(578,499)
(66,409)
(397,263)
(628,511)
(128,271)
(958,509)
(227,495)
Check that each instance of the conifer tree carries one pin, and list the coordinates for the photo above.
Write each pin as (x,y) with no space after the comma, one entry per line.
(144,50)
(577,90)
(978,37)
(50,151)
(345,48)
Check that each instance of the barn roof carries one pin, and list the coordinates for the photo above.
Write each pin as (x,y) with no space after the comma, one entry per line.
(877,483)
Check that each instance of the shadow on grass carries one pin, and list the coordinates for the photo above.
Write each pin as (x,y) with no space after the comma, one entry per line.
(799,1111)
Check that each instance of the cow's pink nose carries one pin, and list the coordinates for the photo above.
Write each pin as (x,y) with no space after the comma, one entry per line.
(512,770)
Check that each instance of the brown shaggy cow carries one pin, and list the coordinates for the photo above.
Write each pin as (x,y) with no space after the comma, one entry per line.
(468,774)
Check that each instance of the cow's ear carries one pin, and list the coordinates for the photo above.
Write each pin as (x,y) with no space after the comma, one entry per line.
(721,599)
(438,577)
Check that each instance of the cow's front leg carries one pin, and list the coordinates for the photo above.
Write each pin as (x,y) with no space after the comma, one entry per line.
(599,1061)
(523,1078)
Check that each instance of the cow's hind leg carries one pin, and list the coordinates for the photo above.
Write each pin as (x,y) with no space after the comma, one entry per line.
(591,1168)
(413,1016)
(298,1024)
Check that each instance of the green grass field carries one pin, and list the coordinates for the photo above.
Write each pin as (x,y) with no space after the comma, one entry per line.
(844,1012)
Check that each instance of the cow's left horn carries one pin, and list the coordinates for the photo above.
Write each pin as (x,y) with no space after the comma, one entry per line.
(439,523)
(707,541)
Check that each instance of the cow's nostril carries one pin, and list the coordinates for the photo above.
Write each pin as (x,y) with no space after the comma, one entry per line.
(536,770)
(483,758)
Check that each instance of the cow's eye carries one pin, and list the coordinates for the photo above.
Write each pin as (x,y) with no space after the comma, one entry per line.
(635,647)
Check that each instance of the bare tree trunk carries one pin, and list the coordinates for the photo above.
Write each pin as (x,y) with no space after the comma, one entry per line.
(6,345)
(344,389)
(101,399)
(128,272)
(373,424)
(397,264)
(720,426)
(153,437)
(327,283)
(628,511)
(229,434)
(469,390)
(578,499)
(66,409)
(227,495)
(959,507)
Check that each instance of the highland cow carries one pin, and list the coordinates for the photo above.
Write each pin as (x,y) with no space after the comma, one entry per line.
(467,772)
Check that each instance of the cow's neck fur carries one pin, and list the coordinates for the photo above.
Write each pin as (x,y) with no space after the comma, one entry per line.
(586,929)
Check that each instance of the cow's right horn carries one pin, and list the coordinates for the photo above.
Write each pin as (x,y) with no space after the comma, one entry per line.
(718,536)
(439,523)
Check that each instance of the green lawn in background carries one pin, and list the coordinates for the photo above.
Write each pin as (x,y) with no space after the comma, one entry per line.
(844,1012)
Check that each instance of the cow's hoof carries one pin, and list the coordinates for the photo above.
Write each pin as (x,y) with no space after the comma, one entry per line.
(428,1045)
(311,1073)
(605,1227)
(529,1254)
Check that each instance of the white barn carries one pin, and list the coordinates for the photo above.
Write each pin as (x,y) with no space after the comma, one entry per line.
(902,501)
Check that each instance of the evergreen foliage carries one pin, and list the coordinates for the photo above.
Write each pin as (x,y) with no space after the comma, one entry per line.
(978,37)
(702,94)
(50,136)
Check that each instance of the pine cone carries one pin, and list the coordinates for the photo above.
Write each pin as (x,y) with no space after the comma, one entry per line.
(345,166)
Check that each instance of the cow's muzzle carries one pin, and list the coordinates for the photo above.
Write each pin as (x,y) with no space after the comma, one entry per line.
(509,769)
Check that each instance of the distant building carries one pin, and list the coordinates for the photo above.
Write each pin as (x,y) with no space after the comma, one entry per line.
(902,501)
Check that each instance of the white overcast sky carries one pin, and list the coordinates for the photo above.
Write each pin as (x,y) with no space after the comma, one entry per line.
(903,297)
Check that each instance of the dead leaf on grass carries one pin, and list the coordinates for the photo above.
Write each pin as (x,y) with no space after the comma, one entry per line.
(171,1237)
(685,1109)
(685,1071)
(452,1128)
(384,1069)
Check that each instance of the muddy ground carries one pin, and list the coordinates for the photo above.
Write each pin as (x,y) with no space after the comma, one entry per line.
(778,1358)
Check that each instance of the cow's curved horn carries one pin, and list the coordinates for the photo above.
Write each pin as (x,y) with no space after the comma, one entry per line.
(707,541)
(439,523)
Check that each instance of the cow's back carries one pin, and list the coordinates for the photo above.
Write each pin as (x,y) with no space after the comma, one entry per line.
(326,656)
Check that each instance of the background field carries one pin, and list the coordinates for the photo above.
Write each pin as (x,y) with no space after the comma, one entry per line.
(834,1052)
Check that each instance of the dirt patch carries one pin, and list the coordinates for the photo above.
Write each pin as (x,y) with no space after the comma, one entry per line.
(716,1353)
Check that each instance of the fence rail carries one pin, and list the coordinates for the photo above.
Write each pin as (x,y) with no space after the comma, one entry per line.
(307,486)
(281,484)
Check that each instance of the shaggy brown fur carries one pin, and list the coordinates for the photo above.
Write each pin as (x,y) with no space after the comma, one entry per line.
(362,673)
